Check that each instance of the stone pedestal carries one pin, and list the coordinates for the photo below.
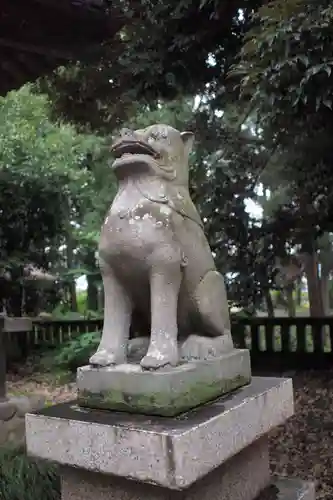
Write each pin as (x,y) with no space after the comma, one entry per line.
(76,485)
(218,450)
(167,392)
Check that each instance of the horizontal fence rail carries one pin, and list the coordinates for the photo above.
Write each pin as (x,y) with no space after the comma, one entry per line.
(59,331)
(285,342)
(47,333)
(292,342)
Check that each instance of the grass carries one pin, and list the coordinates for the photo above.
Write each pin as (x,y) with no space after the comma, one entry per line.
(24,478)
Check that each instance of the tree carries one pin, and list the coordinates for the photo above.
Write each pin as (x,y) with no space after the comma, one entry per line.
(285,69)
(225,166)
(43,189)
(165,50)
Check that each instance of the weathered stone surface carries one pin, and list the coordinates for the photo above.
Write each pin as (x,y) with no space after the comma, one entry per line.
(76,485)
(7,410)
(242,477)
(169,452)
(16,436)
(137,348)
(166,392)
(154,257)
(12,432)
(12,427)
(197,347)
(25,404)
(14,423)
(3,433)
(194,347)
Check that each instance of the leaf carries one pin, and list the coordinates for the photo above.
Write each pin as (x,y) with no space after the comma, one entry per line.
(304,59)
(327,103)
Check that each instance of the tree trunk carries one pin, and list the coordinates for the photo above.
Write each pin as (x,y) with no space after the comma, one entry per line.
(314,289)
(15,299)
(92,278)
(72,296)
(330,295)
(269,303)
(324,283)
(290,300)
(299,292)
(92,293)
(101,298)
(71,284)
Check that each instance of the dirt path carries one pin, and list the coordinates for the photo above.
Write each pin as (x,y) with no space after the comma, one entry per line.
(41,385)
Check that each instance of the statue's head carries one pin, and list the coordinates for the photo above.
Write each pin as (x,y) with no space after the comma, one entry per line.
(159,149)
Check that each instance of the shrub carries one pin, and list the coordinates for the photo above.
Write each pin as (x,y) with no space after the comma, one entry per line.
(76,352)
(24,478)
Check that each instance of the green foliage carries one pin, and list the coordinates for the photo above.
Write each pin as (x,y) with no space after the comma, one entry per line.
(82,302)
(122,85)
(285,60)
(54,190)
(225,164)
(162,52)
(285,71)
(24,478)
(76,352)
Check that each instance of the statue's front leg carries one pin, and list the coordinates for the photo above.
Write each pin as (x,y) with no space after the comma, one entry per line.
(165,283)
(112,349)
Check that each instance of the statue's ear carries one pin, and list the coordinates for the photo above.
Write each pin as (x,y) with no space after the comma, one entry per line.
(188,140)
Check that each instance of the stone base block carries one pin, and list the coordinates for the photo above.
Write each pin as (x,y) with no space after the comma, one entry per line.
(76,485)
(242,477)
(169,452)
(12,411)
(166,392)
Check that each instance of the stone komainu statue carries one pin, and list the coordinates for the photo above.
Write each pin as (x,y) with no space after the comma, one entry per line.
(154,257)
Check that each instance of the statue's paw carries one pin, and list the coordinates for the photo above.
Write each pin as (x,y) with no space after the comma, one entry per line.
(106,357)
(157,359)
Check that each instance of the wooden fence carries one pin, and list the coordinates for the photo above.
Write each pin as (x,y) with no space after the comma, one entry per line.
(47,334)
(286,343)
(277,343)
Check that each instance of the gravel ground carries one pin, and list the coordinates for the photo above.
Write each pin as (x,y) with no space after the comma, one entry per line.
(303,447)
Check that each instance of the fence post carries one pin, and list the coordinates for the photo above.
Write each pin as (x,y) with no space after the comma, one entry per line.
(8,325)
(2,361)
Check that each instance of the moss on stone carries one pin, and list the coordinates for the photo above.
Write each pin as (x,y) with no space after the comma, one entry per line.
(162,404)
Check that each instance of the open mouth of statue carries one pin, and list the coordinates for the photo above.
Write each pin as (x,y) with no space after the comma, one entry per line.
(129,148)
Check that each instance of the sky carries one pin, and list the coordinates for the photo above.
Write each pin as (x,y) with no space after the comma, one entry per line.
(253,209)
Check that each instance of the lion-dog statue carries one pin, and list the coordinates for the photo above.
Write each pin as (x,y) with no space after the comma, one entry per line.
(154,257)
